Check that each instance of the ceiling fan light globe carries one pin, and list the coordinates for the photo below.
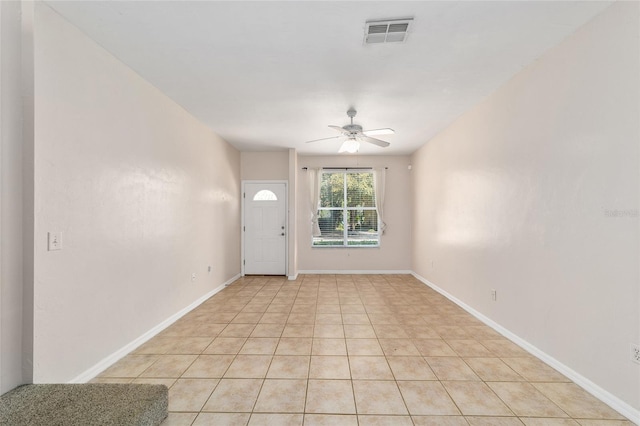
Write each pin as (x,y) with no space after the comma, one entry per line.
(350,145)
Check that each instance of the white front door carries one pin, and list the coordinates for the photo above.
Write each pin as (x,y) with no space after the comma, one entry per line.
(265,236)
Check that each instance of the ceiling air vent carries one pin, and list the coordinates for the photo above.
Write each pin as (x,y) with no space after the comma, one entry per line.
(389,31)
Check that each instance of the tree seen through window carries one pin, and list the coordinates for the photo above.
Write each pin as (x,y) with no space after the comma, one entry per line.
(347,214)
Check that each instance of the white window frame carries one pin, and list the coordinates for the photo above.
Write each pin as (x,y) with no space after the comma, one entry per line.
(345,208)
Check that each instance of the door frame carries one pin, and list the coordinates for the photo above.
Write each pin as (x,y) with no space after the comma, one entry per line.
(286,221)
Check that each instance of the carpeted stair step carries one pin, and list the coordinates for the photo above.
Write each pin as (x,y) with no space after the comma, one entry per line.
(90,404)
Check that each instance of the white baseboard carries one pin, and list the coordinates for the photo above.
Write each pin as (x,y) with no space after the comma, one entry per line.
(126,349)
(355,272)
(603,395)
(293,277)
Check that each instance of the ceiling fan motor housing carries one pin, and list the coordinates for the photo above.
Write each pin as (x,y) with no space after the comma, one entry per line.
(352,128)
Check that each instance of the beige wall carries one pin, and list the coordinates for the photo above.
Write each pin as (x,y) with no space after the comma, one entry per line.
(143,193)
(293,214)
(264,165)
(394,253)
(11,209)
(519,195)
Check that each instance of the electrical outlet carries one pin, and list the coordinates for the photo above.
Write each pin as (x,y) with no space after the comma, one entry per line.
(193,277)
(635,353)
(494,295)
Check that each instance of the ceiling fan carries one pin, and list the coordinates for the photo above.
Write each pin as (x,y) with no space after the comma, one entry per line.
(353,135)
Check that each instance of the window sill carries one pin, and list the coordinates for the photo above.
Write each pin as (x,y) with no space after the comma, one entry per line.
(346,247)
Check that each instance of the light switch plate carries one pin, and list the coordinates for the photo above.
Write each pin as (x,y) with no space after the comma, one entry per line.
(54,241)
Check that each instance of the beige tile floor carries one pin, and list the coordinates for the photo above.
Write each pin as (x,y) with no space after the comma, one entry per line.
(349,350)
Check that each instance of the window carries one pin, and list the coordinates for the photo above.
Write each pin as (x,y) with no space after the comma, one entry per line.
(347,213)
(265,195)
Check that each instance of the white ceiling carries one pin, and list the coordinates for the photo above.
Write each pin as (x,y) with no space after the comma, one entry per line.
(271,75)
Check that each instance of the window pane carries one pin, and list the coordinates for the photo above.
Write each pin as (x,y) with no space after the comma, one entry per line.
(360,190)
(331,228)
(363,228)
(332,190)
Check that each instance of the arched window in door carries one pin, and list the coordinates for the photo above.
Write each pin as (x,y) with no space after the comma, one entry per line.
(265,195)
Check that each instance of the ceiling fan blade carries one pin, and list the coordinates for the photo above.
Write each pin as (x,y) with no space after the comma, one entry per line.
(324,139)
(375,141)
(340,129)
(376,132)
